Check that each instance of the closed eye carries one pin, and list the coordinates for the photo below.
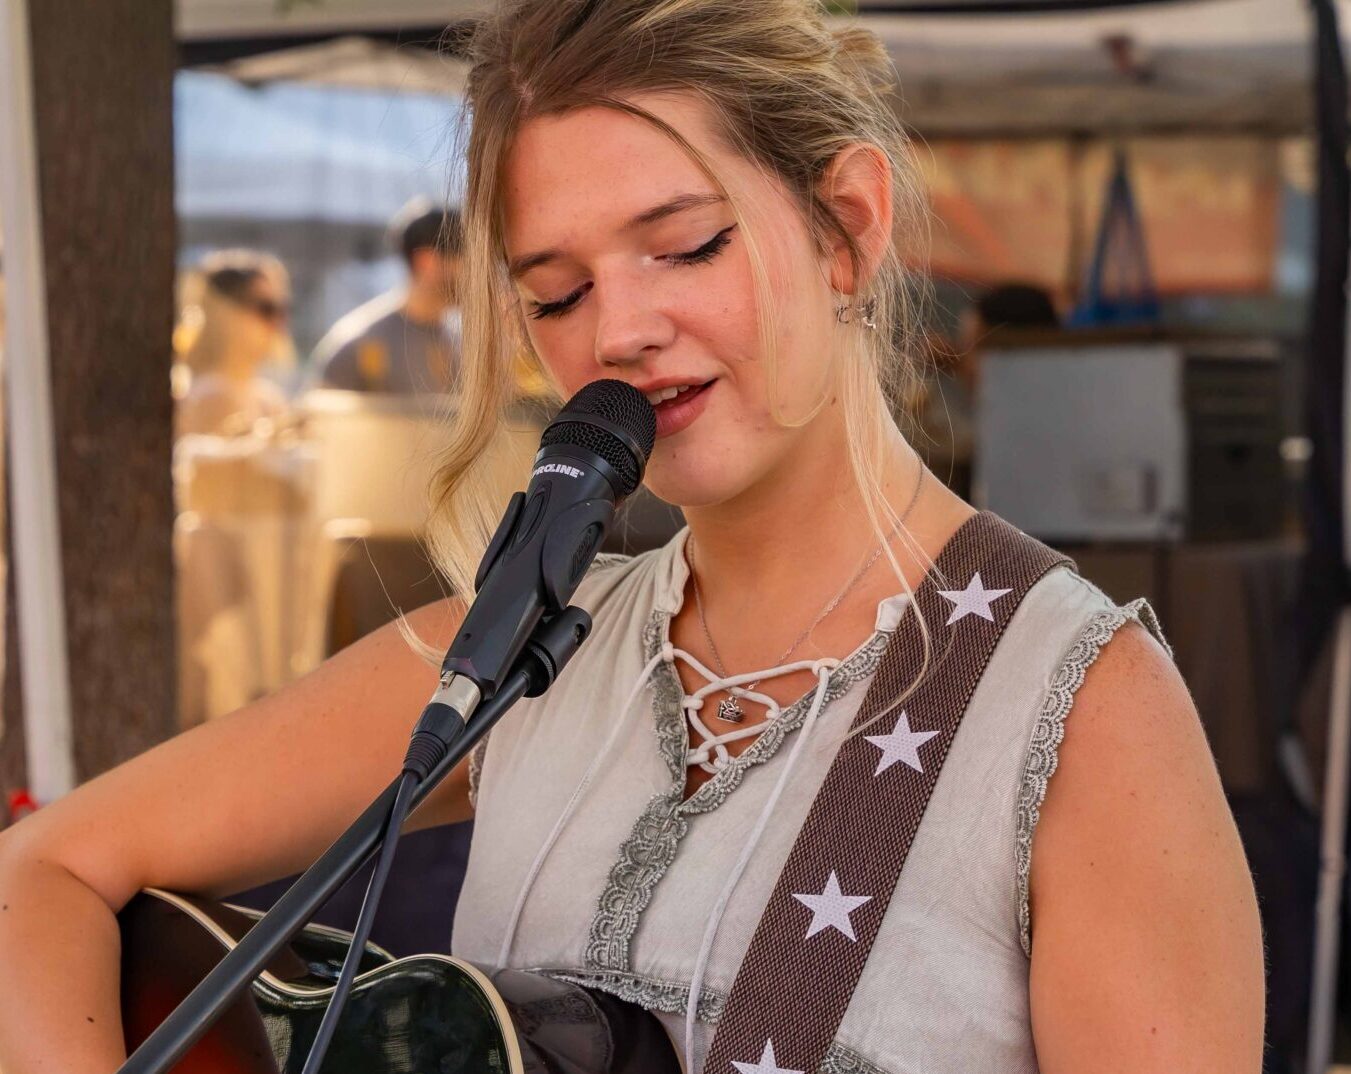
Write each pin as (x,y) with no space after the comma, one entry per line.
(705,253)
(540,310)
(699,256)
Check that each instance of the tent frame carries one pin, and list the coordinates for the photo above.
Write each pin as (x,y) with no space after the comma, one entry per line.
(48,720)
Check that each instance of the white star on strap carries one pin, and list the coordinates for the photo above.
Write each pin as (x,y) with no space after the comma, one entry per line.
(975,599)
(831,909)
(767,1064)
(901,745)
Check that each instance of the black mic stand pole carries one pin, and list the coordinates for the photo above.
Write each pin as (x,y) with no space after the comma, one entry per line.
(550,648)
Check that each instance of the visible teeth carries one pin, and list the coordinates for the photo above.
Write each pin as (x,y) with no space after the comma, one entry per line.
(665,393)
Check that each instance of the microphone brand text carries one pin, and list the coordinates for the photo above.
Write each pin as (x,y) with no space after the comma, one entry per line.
(556,468)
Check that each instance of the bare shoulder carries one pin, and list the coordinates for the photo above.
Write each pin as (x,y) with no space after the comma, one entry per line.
(433,625)
(1142,905)
(397,662)
(1133,716)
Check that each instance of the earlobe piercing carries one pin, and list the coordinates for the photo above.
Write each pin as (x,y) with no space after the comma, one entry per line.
(862,312)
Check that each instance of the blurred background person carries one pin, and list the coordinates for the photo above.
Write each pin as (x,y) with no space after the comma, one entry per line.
(1019,306)
(238,325)
(947,408)
(406,341)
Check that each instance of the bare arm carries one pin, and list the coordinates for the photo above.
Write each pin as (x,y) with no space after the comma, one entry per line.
(1147,950)
(247,798)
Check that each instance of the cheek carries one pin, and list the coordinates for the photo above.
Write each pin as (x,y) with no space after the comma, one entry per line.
(717,311)
(566,361)
(796,306)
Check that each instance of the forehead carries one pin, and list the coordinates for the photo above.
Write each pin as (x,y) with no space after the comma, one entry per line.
(595,168)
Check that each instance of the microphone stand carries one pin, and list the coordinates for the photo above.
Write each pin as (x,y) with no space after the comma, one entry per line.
(551,646)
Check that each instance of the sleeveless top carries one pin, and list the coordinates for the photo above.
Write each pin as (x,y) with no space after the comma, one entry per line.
(602,873)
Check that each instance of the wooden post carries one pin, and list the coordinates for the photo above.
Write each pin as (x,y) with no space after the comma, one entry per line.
(102,107)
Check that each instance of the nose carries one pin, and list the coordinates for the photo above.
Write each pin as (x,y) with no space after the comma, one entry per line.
(629,327)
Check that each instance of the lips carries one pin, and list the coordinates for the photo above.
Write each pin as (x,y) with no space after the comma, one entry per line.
(676,410)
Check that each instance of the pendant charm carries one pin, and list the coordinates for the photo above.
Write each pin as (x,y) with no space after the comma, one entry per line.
(730,711)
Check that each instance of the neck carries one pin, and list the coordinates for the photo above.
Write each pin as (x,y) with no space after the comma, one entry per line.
(239,365)
(808,512)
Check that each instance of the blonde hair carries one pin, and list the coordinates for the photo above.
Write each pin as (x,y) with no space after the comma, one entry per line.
(788,93)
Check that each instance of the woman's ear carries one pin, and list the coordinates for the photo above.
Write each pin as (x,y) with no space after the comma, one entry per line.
(856,187)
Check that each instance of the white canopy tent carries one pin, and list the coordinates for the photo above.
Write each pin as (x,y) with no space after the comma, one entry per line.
(286,151)
(355,62)
(197,20)
(1213,65)
(1206,65)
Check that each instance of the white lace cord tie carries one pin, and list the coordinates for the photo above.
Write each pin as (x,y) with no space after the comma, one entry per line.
(712,754)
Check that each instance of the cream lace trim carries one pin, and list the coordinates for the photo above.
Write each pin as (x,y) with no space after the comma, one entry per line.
(643,860)
(476,756)
(671,997)
(1049,732)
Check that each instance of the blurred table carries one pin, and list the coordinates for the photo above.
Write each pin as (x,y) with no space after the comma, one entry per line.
(1225,608)
(239,541)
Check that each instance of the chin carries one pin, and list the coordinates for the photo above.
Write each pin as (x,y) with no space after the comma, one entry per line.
(686,480)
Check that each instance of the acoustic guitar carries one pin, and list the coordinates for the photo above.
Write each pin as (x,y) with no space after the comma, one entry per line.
(428,1014)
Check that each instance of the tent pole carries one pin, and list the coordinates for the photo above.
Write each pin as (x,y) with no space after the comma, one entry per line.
(32,444)
(1326,597)
(1332,871)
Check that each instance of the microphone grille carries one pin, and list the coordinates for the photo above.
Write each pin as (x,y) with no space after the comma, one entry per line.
(613,420)
(620,404)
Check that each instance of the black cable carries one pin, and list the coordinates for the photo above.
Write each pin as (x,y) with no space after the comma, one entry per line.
(398,813)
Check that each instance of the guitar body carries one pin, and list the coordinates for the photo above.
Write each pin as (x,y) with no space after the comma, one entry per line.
(430,1014)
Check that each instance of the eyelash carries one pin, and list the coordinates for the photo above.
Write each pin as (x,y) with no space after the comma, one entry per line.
(702,256)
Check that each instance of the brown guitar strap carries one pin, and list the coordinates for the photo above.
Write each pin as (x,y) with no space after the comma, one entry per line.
(809,949)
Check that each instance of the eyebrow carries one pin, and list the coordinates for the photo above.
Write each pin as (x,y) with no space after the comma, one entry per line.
(519,266)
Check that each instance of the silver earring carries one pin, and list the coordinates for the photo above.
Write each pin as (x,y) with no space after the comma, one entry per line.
(863,312)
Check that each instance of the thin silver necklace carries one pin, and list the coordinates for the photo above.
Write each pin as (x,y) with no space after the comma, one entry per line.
(729,708)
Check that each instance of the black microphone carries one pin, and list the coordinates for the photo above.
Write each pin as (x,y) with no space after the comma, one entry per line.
(591,456)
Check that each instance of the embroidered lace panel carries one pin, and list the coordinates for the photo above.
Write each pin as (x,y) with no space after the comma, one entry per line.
(1049,732)
(670,997)
(651,847)
(476,756)
(644,858)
